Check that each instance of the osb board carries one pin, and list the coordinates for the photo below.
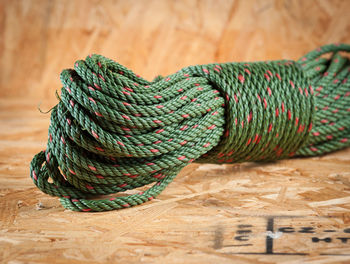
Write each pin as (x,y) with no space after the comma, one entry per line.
(39,38)
(293,211)
(197,219)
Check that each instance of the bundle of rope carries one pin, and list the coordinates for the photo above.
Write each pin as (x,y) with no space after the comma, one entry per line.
(114,131)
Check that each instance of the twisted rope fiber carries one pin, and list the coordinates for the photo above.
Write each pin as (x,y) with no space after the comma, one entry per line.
(114,131)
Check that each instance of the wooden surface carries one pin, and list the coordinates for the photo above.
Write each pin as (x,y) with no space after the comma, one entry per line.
(245,213)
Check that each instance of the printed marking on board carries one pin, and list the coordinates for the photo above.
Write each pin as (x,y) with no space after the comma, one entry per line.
(269,238)
(273,232)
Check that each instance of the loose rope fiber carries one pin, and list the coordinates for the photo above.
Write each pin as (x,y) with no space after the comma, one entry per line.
(114,131)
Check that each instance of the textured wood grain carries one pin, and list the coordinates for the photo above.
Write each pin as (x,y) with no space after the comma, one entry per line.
(197,218)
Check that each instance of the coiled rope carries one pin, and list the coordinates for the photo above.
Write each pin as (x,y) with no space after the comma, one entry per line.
(114,131)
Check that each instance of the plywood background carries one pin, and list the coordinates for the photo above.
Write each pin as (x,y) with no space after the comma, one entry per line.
(195,219)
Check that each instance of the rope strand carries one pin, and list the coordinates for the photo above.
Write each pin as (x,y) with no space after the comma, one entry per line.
(114,131)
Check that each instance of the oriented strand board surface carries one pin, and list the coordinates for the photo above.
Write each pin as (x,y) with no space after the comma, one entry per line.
(292,211)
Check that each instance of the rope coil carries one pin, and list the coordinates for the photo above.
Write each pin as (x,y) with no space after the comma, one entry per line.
(114,131)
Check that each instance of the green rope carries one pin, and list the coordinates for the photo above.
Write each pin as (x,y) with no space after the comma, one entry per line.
(114,131)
